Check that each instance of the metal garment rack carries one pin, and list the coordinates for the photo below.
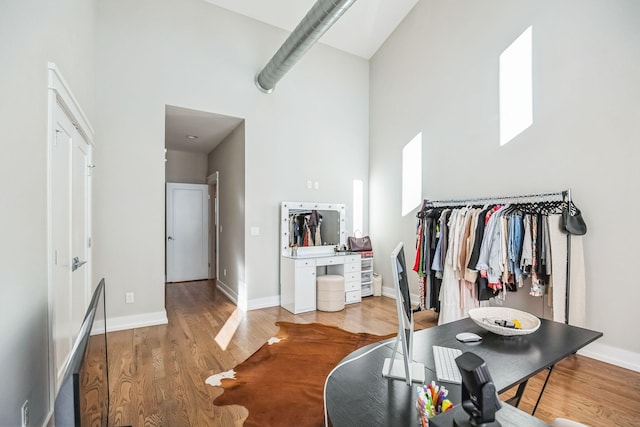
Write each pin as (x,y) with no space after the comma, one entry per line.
(563,196)
(560,196)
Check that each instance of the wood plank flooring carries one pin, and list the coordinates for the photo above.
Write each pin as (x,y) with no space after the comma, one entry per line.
(158,373)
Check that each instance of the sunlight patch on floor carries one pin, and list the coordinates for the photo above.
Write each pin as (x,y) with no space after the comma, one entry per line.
(229,329)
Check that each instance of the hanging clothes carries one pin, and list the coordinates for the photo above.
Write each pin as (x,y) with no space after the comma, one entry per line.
(467,255)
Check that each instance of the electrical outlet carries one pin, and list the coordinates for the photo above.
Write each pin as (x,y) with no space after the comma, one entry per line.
(25,413)
(129,297)
(224,271)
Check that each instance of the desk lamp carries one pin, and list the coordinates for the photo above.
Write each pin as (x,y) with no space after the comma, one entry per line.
(479,397)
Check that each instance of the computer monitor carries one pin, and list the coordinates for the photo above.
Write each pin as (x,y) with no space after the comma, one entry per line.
(83,396)
(407,370)
(479,396)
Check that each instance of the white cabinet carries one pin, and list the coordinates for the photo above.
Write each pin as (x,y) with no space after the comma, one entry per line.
(298,284)
(298,279)
(366,274)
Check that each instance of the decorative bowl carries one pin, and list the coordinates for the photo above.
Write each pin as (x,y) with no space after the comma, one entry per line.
(485,317)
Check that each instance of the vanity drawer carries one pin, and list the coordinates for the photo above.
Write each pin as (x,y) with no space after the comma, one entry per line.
(305,263)
(352,267)
(330,260)
(351,258)
(352,277)
(352,297)
(352,286)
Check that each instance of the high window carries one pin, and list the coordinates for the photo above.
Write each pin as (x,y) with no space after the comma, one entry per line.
(516,87)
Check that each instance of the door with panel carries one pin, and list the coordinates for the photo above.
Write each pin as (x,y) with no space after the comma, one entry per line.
(70,196)
(187,232)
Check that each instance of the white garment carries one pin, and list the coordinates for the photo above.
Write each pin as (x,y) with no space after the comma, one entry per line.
(450,287)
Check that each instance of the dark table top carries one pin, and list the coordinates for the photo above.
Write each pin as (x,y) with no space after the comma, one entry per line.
(358,395)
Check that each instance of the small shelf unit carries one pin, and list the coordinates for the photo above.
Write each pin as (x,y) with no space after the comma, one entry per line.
(366,273)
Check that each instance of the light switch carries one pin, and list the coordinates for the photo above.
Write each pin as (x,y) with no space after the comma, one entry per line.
(316,185)
(255,231)
(309,184)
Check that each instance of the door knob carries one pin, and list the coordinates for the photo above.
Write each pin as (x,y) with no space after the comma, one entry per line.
(170,238)
(76,264)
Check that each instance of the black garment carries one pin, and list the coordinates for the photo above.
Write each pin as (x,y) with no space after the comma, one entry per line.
(475,253)
(314,221)
(484,291)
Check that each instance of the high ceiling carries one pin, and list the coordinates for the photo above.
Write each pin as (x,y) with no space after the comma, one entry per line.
(360,31)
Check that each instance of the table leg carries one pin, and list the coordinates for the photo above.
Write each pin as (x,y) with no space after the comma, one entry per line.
(543,387)
(515,400)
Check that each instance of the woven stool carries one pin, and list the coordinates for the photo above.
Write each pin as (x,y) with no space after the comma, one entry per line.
(330,292)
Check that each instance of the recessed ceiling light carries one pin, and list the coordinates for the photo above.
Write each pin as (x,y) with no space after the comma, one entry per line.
(192,137)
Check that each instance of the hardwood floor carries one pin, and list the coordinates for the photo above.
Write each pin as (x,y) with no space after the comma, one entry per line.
(158,373)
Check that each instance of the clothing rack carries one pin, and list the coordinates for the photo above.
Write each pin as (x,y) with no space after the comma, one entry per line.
(565,196)
(558,196)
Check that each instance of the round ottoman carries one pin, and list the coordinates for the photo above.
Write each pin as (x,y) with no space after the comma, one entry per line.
(330,292)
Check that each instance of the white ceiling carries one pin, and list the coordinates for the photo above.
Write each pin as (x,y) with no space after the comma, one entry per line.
(210,129)
(360,31)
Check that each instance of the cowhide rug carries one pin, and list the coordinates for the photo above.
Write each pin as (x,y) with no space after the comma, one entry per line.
(282,383)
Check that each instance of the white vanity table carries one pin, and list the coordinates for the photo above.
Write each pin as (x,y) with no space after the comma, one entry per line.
(299,268)
(298,279)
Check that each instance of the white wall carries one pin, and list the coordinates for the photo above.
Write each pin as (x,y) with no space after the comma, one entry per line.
(32,33)
(438,74)
(186,167)
(198,56)
(228,159)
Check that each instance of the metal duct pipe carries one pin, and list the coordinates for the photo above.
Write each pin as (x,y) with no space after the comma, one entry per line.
(316,22)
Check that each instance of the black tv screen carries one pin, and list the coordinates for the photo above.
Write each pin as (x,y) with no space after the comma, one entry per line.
(83,397)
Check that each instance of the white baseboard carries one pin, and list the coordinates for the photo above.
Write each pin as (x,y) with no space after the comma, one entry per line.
(258,303)
(136,321)
(230,293)
(391,293)
(614,355)
(253,304)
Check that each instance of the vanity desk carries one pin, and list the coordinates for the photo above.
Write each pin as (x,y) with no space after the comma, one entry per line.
(298,279)
(300,263)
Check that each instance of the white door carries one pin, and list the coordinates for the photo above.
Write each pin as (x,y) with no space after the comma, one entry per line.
(80,250)
(187,231)
(69,235)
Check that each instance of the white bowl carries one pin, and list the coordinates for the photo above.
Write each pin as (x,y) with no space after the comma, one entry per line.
(485,317)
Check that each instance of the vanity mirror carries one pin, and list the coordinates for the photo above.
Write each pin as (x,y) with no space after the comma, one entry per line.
(298,218)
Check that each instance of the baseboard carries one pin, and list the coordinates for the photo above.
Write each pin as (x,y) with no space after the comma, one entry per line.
(253,304)
(230,293)
(391,293)
(614,355)
(136,321)
(258,303)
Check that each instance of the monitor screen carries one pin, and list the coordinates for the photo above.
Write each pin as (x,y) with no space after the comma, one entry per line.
(401,279)
(83,397)
(406,368)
